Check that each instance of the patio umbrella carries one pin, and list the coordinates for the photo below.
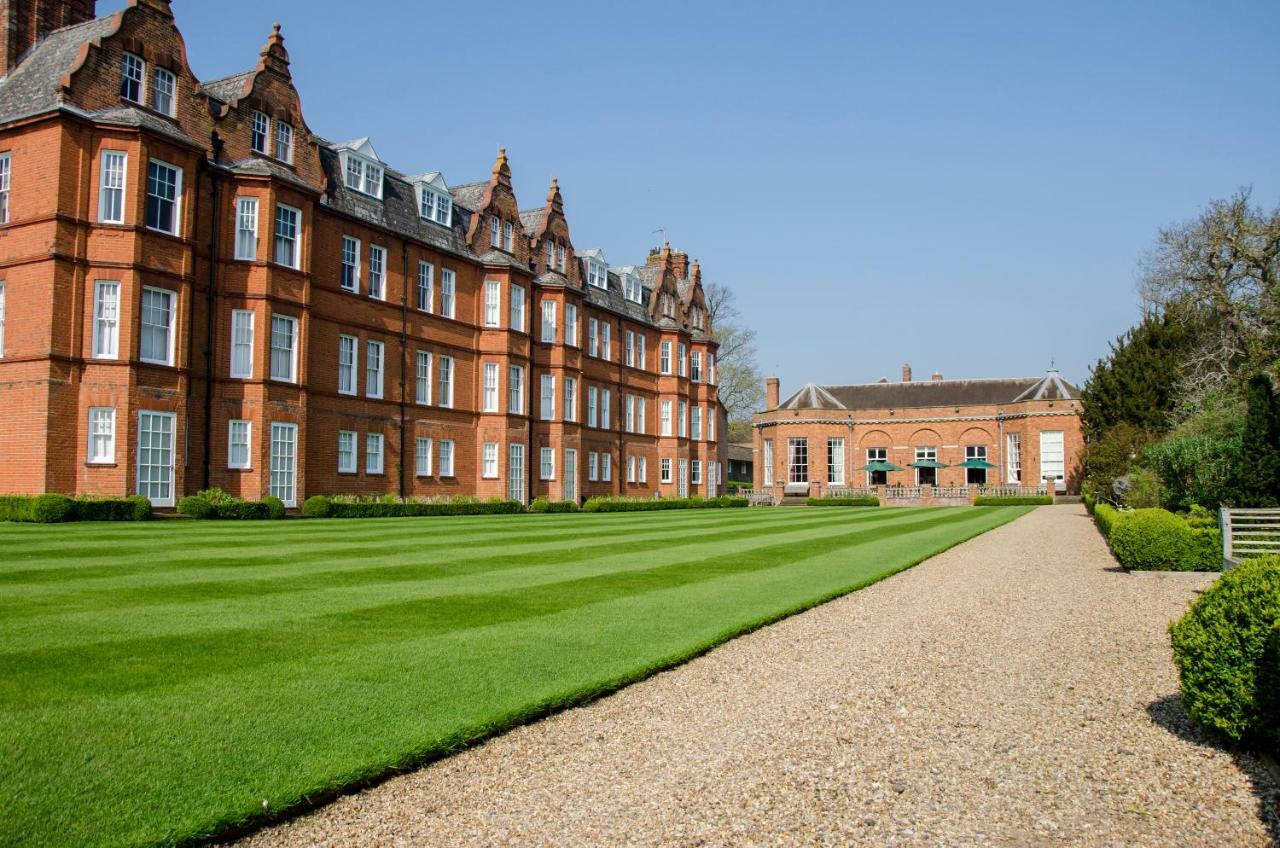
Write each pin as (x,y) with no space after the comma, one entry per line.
(927,463)
(880,465)
(976,463)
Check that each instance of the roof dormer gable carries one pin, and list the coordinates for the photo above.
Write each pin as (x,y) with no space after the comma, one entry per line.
(362,170)
(435,201)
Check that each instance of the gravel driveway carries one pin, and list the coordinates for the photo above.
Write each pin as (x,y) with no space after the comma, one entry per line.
(1014,691)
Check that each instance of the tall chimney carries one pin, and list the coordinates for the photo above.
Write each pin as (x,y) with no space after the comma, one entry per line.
(906,372)
(937,376)
(770,392)
(24,22)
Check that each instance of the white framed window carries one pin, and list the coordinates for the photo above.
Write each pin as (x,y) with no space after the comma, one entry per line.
(350,279)
(159,311)
(346,452)
(435,206)
(6,171)
(547,400)
(374,364)
(111,183)
(695,472)
(445,394)
(631,349)
(422,378)
(835,462)
(447,299)
(258,132)
(695,366)
(106,319)
(241,367)
(489,460)
(508,242)
(606,421)
(560,257)
(1053,458)
(422,457)
(593,399)
(446,457)
(664,469)
(631,469)
(597,274)
(284,141)
(489,393)
(133,73)
(606,345)
(593,467)
(492,303)
(515,473)
(606,467)
(163,85)
(426,286)
(768,462)
(684,361)
(102,435)
(362,175)
(571,324)
(284,349)
(711,368)
(515,389)
(246,229)
(683,422)
(711,423)
(631,289)
(238,437)
(288,221)
(664,357)
(695,424)
(284,459)
(551,255)
(547,468)
(644,469)
(570,399)
(1013,457)
(377,272)
(516,318)
(874,478)
(495,231)
(924,476)
(373,444)
(348,357)
(155,456)
(164,195)
(1,319)
(629,419)
(593,337)
(664,419)
(640,358)
(548,321)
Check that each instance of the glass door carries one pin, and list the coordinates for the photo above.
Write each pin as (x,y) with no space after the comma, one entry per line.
(515,473)
(570,474)
(155,456)
(284,463)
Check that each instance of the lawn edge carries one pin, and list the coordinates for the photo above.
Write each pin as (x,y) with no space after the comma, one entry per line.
(222,833)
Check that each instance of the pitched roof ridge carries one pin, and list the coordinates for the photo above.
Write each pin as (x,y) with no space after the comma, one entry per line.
(929,382)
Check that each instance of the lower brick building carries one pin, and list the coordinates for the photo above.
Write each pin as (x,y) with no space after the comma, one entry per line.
(937,433)
(197,290)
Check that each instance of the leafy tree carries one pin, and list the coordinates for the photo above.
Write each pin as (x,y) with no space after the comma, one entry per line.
(1259,483)
(1136,384)
(740,384)
(1111,454)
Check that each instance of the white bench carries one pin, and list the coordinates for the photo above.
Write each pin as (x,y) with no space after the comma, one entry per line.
(1248,533)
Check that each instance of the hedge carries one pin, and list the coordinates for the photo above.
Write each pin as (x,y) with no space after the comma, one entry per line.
(52,508)
(217,505)
(1157,540)
(1227,652)
(1012,500)
(544,504)
(320,506)
(1104,515)
(620,504)
(861,500)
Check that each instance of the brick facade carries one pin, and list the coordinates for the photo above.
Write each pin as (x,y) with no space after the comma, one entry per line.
(64,114)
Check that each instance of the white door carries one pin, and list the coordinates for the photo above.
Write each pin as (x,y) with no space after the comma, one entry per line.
(682,488)
(570,474)
(711,479)
(1053,458)
(155,456)
(515,473)
(284,464)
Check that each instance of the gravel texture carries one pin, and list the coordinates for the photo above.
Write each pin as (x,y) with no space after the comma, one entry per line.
(1014,691)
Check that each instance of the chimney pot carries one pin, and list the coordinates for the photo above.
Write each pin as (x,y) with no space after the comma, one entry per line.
(771,392)
(906,372)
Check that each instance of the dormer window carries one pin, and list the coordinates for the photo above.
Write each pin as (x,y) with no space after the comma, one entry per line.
(696,318)
(284,142)
(668,306)
(258,134)
(495,231)
(560,257)
(597,275)
(163,84)
(631,288)
(551,255)
(363,176)
(508,236)
(435,206)
(132,73)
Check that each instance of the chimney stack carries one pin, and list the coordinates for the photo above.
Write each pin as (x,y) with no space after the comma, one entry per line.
(770,392)
(906,372)
(937,376)
(25,22)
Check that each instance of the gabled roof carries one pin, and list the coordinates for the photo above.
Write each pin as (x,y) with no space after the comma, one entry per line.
(360,146)
(812,397)
(228,89)
(33,86)
(931,393)
(1050,387)
(530,219)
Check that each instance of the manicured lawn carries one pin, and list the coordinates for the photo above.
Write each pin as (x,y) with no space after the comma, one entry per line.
(159,681)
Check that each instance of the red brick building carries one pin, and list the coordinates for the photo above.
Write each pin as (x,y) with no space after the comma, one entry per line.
(823,437)
(196,290)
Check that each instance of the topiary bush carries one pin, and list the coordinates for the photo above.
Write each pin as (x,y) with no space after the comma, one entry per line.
(132,508)
(195,506)
(1224,648)
(1152,540)
(275,507)
(317,506)
(52,508)
(217,504)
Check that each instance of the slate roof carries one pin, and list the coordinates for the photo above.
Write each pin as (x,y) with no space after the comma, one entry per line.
(530,219)
(227,89)
(468,195)
(741,453)
(129,116)
(33,86)
(927,393)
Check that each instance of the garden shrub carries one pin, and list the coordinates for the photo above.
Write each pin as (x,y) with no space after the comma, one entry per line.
(320,506)
(1104,515)
(1223,648)
(45,509)
(1012,500)
(52,508)
(275,507)
(132,508)
(1269,690)
(212,504)
(861,500)
(1089,503)
(316,506)
(1157,540)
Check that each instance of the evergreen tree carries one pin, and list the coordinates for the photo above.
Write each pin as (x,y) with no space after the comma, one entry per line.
(1137,382)
(1259,475)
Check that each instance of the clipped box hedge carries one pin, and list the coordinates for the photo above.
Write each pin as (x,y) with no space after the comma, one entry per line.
(1104,515)
(544,504)
(321,506)
(1012,500)
(54,508)
(1227,650)
(217,505)
(860,500)
(620,504)
(1157,540)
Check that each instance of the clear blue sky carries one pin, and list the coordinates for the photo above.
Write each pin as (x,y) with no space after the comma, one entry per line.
(967,186)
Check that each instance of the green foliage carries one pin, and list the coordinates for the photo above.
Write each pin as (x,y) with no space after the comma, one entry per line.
(1104,515)
(1259,478)
(544,504)
(1090,502)
(320,506)
(1158,540)
(316,506)
(1111,453)
(621,504)
(215,504)
(52,508)
(1136,384)
(1143,490)
(1221,647)
(1012,500)
(1269,690)
(1195,469)
(195,506)
(862,500)
(132,508)
(275,507)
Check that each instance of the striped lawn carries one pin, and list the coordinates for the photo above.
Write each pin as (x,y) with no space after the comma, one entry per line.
(159,681)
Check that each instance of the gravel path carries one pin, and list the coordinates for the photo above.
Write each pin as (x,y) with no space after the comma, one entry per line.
(1014,691)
